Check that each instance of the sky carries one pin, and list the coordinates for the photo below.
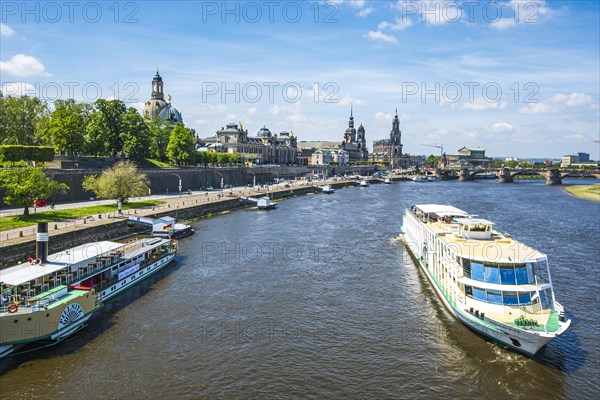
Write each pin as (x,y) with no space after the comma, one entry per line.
(517,78)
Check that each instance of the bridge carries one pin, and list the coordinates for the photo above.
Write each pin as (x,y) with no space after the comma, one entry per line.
(554,176)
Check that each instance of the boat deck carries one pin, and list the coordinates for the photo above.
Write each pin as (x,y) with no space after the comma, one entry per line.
(527,320)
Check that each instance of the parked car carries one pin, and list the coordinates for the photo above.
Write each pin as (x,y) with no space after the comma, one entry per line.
(39,203)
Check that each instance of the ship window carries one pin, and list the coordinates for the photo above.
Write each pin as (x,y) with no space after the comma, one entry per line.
(521,274)
(477,271)
(510,298)
(494,297)
(492,275)
(530,277)
(524,298)
(479,294)
(469,291)
(507,275)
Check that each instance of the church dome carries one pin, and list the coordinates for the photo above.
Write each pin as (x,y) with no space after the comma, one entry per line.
(264,133)
(170,114)
(361,128)
(153,107)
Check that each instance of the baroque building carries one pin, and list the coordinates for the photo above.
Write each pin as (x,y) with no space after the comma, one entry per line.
(389,151)
(355,142)
(157,107)
(265,147)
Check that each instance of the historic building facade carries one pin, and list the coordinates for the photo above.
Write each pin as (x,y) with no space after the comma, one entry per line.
(468,158)
(355,142)
(328,156)
(157,107)
(389,151)
(265,148)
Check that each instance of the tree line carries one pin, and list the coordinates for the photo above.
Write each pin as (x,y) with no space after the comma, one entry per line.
(102,128)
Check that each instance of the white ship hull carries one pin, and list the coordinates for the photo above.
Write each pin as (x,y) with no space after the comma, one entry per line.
(530,343)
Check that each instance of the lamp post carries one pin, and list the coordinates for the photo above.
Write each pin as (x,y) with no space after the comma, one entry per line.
(172,173)
(221,175)
(253,179)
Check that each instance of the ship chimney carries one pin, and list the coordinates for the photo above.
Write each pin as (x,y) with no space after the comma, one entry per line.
(41,242)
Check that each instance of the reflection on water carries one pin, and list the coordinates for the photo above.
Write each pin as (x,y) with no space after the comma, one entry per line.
(316,299)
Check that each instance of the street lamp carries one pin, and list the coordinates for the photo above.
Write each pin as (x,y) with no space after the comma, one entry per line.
(221,175)
(172,173)
(253,179)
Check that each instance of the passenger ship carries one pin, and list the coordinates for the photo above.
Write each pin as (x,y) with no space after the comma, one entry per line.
(492,283)
(48,299)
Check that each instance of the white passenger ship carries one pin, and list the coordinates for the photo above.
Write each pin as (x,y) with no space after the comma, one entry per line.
(47,299)
(492,283)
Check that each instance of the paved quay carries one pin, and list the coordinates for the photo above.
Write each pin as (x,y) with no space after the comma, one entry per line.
(172,202)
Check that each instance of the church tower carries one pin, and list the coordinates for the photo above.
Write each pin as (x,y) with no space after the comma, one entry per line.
(362,143)
(396,137)
(157,102)
(350,134)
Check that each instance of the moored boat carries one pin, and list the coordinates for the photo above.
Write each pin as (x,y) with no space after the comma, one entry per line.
(364,183)
(492,283)
(52,297)
(328,189)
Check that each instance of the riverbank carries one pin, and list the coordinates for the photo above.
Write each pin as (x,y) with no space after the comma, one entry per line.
(588,192)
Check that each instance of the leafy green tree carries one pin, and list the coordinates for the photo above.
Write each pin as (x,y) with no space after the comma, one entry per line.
(31,154)
(23,186)
(21,119)
(96,134)
(159,133)
(121,182)
(135,135)
(66,130)
(433,161)
(182,145)
(112,111)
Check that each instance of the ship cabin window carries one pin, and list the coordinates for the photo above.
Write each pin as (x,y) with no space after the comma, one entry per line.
(478,228)
(507,274)
(494,296)
(510,298)
(492,274)
(469,291)
(479,294)
(477,272)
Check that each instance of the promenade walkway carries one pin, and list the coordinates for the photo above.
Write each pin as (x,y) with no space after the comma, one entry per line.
(172,202)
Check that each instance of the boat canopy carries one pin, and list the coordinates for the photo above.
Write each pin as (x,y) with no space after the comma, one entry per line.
(473,221)
(441,210)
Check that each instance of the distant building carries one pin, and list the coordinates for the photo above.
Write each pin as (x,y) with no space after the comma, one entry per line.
(265,148)
(327,156)
(577,161)
(389,151)
(584,157)
(468,158)
(355,142)
(157,107)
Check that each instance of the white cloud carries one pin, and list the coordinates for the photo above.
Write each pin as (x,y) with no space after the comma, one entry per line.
(297,118)
(398,25)
(6,30)
(502,127)
(482,105)
(504,23)
(365,11)
(522,12)
(378,35)
(22,65)
(17,89)
(380,116)
(561,102)
(347,100)
(252,111)
(201,122)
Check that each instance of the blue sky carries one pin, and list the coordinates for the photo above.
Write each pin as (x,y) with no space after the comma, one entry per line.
(518,78)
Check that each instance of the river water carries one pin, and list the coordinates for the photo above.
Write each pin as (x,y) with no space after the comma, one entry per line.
(316,300)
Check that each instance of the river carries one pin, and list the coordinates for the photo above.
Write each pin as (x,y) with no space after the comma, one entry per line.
(316,300)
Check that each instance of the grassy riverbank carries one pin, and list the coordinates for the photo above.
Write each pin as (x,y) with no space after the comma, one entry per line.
(591,192)
(20,221)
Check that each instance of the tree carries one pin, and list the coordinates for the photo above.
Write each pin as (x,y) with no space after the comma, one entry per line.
(121,182)
(31,154)
(182,145)
(112,113)
(23,186)
(433,161)
(21,119)
(135,135)
(66,130)
(159,134)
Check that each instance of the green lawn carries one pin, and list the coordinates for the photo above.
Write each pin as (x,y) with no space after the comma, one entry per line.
(585,191)
(150,163)
(21,221)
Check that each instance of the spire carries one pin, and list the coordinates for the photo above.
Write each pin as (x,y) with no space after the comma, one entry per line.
(351,116)
(396,112)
